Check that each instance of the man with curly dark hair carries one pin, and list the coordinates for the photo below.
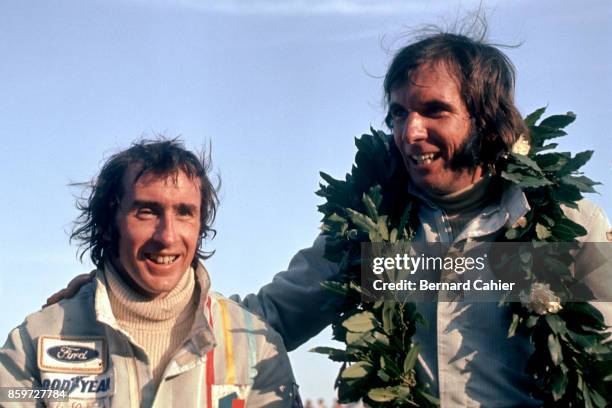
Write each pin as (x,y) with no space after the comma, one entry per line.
(147,330)
(452,113)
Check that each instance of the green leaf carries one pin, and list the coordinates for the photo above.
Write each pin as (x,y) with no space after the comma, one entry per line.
(334,354)
(381,339)
(404,219)
(534,116)
(347,392)
(584,184)
(577,229)
(411,358)
(542,232)
(541,134)
(382,394)
(587,398)
(559,121)
(578,161)
(526,181)
(531,321)
(549,146)
(390,365)
(558,385)
(556,324)
(382,374)
(357,370)
(526,161)
(362,221)
(336,287)
(361,322)
(388,315)
(586,341)
(393,236)
(554,347)
(551,161)
(586,313)
(336,218)
(534,182)
(549,221)
(567,194)
(512,233)
(370,207)
(332,182)
(324,350)
(597,399)
(376,195)
(382,228)
(514,325)
(429,397)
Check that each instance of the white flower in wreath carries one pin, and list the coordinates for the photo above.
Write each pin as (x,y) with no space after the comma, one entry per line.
(521,146)
(541,299)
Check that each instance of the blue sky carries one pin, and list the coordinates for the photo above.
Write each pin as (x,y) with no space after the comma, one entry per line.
(279,88)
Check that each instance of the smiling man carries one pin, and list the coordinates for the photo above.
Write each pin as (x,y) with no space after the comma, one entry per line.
(453,115)
(147,330)
(158,221)
(433,129)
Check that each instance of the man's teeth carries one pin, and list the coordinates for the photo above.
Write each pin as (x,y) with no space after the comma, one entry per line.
(423,158)
(163,259)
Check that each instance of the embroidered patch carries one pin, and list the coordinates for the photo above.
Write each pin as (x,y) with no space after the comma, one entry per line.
(80,386)
(229,395)
(609,235)
(76,355)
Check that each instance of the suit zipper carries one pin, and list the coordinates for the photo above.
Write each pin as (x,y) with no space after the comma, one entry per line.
(133,378)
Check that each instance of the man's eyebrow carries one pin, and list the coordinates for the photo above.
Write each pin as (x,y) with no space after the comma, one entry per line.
(180,207)
(186,208)
(427,105)
(438,104)
(395,105)
(145,204)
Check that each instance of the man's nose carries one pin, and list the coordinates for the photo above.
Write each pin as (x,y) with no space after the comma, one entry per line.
(414,128)
(165,232)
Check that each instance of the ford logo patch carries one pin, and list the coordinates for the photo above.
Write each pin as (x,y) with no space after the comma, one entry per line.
(72,353)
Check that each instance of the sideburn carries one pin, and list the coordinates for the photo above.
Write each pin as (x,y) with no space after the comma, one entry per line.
(468,156)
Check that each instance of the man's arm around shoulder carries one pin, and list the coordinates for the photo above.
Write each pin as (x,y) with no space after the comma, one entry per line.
(292,303)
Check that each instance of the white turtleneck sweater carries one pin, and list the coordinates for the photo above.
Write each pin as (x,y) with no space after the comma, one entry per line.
(160,325)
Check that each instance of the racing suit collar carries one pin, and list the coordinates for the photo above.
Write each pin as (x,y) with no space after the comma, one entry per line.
(201,336)
(512,206)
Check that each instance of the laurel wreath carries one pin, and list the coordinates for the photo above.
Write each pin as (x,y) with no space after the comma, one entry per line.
(570,365)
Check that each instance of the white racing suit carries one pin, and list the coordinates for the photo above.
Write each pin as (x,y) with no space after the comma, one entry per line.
(231,358)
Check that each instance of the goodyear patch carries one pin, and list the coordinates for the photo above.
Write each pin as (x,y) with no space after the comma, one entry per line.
(229,395)
(76,355)
(80,386)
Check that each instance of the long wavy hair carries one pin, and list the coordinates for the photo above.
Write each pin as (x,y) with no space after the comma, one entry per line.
(95,229)
(486,79)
